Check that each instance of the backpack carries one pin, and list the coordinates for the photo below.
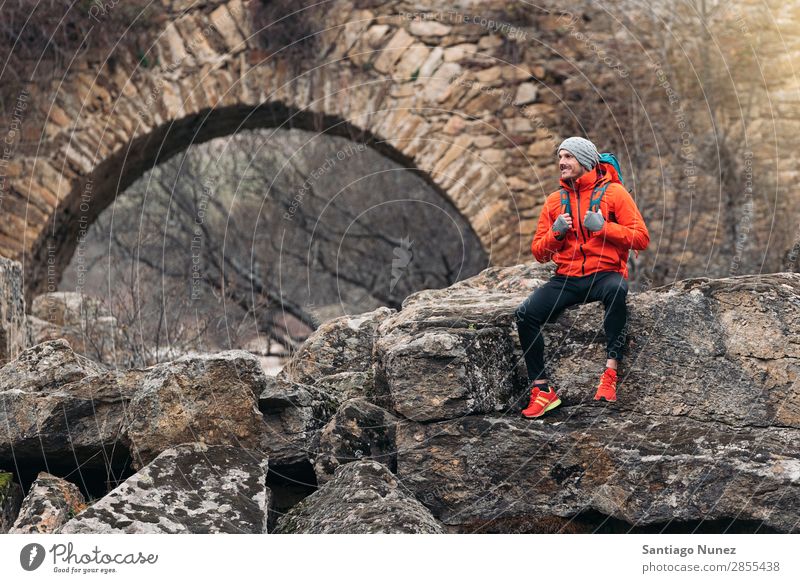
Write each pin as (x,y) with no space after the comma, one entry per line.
(599,191)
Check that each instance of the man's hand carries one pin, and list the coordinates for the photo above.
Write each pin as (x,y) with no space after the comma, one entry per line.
(561,225)
(593,221)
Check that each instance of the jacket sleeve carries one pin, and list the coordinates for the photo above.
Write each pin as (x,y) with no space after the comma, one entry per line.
(545,244)
(629,231)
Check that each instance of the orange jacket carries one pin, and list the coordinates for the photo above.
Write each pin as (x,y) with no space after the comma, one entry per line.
(582,252)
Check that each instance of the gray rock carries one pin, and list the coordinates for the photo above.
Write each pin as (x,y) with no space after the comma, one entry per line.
(58,405)
(10,501)
(50,503)
(637,468)
(206,398)
(46,367)
(358,430)
(192,488)
(293,414)
(434,373)
(347,385)
(455,351)
(363,497)
(729,344)
(13,322)
(342,344)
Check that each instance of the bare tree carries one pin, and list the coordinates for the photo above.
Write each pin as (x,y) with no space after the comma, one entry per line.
(275,229)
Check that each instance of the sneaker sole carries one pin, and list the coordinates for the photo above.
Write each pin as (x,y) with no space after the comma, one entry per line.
(551,406)
(596,398)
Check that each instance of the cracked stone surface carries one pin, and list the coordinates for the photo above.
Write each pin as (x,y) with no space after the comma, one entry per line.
(205,398)
(192,488)
(636,468)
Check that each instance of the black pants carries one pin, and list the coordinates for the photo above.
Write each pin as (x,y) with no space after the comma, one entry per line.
(547,302)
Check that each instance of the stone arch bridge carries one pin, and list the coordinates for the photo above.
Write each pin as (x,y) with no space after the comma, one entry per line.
(430,88)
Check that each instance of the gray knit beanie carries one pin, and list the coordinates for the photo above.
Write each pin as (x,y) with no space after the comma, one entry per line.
(583,150)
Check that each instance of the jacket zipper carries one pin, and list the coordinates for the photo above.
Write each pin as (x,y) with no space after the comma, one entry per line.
(580,227)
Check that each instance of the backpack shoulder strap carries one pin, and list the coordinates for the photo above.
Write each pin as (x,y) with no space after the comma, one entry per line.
(597,196)
(565,201)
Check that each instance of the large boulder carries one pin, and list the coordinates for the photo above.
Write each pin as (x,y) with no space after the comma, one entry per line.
(57,405)
(343,344)
(363,497)
(358,430)
(50,503)
(207,398)
(708,397)
(294,414)
(434,373)
(192,488)
(455,351)
(727,343)
(721,350)
(640,469)
(13,322)
(46,367)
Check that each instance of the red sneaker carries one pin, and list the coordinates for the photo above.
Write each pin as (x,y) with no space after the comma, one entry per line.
(541,402)
(607,389)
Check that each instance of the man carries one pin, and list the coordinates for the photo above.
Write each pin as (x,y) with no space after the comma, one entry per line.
(590,248)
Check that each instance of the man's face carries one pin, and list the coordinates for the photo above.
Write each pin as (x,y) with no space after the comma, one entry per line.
(569,166)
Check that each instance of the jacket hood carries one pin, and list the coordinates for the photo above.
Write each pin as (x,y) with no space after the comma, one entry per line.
(598,175)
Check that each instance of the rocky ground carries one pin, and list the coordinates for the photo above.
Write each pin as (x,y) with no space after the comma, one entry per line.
(408,421)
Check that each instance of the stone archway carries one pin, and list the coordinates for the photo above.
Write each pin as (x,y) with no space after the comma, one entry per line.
(432,96)
(94,193)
